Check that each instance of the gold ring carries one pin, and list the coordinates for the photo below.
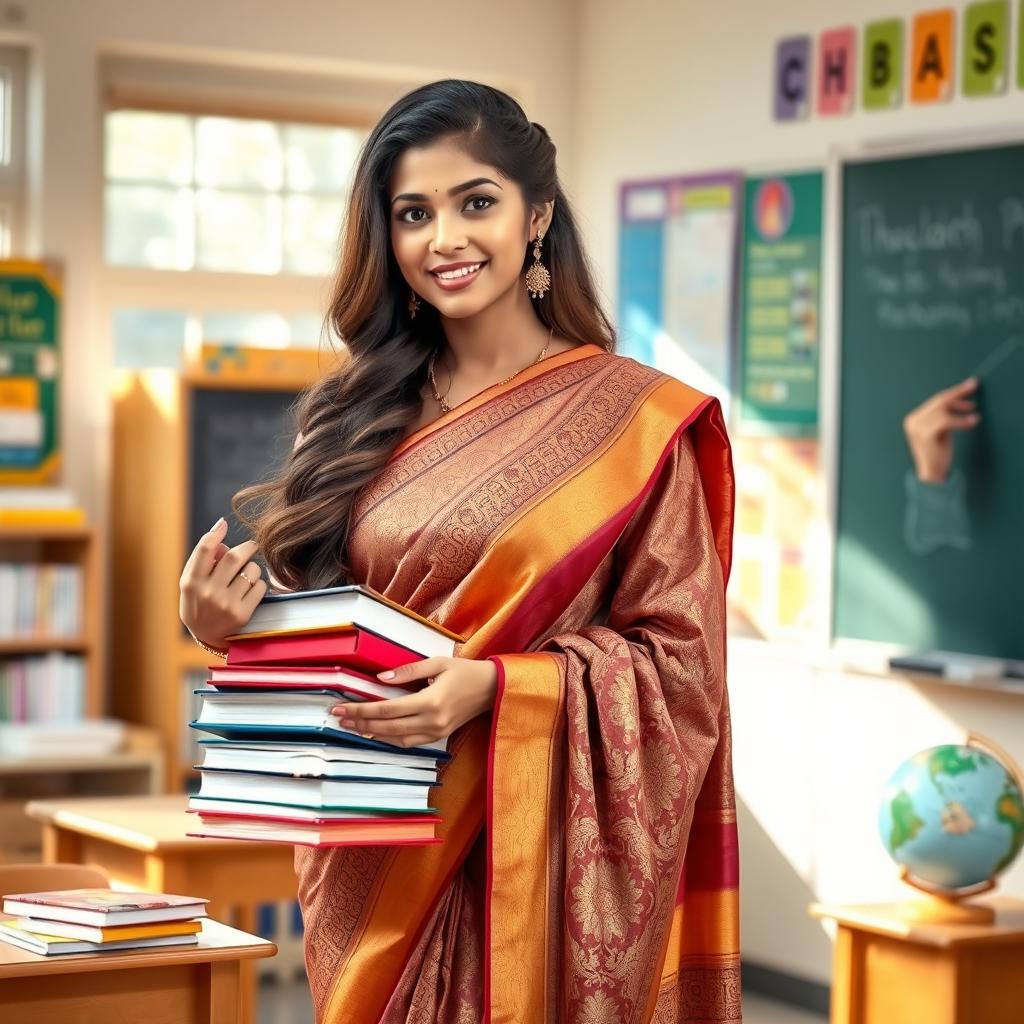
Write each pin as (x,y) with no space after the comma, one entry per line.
(252,583)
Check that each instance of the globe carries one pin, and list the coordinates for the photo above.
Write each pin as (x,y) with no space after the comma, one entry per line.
(953,817)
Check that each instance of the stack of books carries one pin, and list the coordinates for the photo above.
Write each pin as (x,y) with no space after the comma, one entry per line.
(99,920)
(281,767)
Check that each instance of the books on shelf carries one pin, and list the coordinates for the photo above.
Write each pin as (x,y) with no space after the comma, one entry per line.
(43,688)
(282,768)
(99,920)
(94,737)
(347,607)
(40,599)
(39,506)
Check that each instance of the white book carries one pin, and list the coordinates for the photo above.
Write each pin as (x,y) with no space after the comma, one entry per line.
(352,605)
(300,764)
(36,497)
(49,945)
(92,738)
(303,709)
(397,796)
(209,805)
(326,752)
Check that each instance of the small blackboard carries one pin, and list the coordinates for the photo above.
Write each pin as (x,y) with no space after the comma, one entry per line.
(237,437)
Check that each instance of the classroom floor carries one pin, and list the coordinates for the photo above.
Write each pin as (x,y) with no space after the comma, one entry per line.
(283,1003)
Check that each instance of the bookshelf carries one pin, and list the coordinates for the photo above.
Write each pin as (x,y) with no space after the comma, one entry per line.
(184,442)
(72,544)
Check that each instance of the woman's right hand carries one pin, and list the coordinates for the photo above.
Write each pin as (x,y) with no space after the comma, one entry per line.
(215,600)
(929,429)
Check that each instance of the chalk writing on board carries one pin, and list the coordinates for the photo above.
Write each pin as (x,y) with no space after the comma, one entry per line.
(930,231)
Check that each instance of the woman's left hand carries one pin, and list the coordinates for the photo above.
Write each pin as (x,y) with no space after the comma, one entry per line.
(462,688)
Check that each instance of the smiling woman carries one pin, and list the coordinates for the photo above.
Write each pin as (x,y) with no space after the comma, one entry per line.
(569,512)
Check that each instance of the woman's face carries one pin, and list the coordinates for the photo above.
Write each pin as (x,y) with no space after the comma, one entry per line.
(459,229)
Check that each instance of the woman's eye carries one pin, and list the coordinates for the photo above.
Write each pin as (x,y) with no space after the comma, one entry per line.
(470,205)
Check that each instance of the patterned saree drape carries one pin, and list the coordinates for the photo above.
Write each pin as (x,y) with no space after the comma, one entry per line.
(576,528)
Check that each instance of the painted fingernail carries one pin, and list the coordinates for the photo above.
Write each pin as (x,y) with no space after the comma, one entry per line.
(385,675)
(216,524)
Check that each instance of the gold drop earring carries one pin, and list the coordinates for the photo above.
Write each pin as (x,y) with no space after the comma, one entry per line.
(414,304)
(538,280)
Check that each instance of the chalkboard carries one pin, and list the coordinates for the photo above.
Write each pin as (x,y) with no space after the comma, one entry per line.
(931,292)
(237,437)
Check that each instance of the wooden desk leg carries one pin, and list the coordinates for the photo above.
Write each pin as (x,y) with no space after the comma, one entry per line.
(847,977)
(245,918)
(60,846)
(221,998)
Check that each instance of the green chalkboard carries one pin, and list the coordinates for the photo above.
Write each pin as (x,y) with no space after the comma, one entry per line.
(931,292)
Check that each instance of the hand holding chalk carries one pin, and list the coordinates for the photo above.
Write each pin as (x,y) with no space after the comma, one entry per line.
(929,429)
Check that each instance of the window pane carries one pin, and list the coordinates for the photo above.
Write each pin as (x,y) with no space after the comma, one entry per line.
(149,227)
(141,146)
(320,159)
(266,330)
(311,234)
(304,329)
(239,231)
(238,152)
(148,337)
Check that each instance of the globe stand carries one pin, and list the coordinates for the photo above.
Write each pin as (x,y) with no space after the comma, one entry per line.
(946,906)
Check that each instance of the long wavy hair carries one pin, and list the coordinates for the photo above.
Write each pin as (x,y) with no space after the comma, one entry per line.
(354,417)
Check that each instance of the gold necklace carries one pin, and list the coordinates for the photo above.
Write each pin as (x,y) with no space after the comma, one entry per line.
(445,407)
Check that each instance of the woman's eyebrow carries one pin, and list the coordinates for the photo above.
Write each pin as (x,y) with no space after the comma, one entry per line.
(420,197)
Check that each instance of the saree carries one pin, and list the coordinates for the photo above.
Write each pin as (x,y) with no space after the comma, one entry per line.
(575,527)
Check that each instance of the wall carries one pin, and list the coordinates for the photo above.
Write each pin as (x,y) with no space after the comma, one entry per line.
(669,88)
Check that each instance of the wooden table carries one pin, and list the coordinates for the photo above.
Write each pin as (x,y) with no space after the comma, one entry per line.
(891,970)
(140,842)
(188,985)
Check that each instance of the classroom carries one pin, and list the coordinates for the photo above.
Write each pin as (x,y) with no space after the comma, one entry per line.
(666,665)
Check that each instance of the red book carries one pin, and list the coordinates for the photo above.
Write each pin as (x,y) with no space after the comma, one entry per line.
(396,830)
(352,648)
(306,677)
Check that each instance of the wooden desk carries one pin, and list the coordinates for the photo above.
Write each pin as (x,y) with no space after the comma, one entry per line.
(140,842)
(190,985)
(887,969)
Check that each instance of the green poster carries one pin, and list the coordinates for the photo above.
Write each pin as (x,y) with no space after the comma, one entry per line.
(29,372)
(985,42)
(781,298)
(883,64)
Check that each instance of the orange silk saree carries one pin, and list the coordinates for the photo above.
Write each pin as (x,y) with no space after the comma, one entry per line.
(575,525)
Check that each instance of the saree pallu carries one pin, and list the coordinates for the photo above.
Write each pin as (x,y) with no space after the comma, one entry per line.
(575,526)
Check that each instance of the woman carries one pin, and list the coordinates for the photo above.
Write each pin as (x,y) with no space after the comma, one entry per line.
(484,458)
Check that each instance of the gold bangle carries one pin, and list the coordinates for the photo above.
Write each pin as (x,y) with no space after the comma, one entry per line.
(207,647)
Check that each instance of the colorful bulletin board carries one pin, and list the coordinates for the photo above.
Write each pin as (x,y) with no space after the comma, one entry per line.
(676,277)
(30,296)
(678,268)
(781,303)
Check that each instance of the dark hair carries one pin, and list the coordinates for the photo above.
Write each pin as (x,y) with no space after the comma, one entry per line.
(352,419)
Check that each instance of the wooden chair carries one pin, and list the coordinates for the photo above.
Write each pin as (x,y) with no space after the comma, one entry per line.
(40,877)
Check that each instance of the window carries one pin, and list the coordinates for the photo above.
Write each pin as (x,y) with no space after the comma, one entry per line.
(225,194)
(12,149)
(219,229)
